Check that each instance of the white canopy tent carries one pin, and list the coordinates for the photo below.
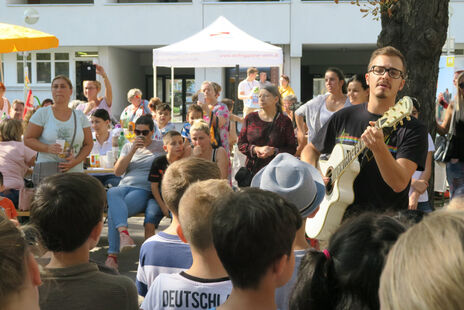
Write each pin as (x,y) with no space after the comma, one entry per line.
(220,44)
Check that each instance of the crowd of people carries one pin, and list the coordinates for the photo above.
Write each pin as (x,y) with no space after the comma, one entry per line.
(236,240)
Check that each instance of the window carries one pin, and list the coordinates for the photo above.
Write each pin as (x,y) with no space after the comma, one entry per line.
(43,67)
(58,1)
(20,68)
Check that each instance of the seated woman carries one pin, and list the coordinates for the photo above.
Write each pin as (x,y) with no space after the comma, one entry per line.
(91,90)
(424,269)
(102,137)
(200,135)
(20,272)
(346,274)
(15,158)
(267,132)
(133,195)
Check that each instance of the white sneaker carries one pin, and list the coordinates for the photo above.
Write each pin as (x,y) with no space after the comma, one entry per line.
(125,242)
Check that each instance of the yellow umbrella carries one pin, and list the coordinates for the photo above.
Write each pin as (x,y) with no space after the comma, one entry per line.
(15,38)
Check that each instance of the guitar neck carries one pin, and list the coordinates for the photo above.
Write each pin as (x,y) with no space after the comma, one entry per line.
(351,155)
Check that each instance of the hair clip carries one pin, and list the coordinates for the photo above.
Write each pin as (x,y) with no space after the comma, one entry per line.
(326,253)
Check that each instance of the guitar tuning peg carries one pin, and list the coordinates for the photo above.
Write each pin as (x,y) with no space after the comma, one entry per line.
(401,123)
(394,127)
(385,114)
(408,118)
(393,109)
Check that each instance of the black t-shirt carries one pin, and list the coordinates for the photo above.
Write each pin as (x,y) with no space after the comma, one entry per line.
(371,192)
(158,167)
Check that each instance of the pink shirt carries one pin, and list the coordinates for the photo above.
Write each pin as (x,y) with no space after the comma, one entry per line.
(13,158)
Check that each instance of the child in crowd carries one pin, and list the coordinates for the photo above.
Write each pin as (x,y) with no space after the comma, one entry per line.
(67,209)
(154,101)
(424,269)
(6,205)
(174,146)
(301,184)
(233,138)
(205,284)
(253,233)
(194,112)
(346,275)
(165,252)
(163,118)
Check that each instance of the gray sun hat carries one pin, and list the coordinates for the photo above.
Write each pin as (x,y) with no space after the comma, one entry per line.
(296,181)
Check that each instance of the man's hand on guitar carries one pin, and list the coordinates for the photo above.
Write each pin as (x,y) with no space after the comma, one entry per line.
(373,138)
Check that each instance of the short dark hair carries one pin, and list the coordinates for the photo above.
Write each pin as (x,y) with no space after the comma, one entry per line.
(65,208)
(416,104)
(145,120)
(163,107)
(180,174)
(388,51)
(285,77)
(1,179)
(47,100)
(252,229)
(169,135)
(348,276)
(101,113)
(194,108)
(361,78)
(340,75)
(229,103)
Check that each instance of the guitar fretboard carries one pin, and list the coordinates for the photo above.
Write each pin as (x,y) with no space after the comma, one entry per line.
(350,156)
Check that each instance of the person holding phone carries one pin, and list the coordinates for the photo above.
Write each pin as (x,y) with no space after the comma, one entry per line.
(133,194)
(136,108)
(91,90)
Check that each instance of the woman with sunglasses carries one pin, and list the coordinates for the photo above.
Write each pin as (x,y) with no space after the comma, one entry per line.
(453,124)
(133,194)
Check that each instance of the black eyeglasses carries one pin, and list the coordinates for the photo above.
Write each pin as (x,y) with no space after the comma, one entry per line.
(461,85)
(141,132)
(392,72)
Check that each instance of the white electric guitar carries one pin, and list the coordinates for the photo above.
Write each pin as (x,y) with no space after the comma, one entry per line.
(342,168)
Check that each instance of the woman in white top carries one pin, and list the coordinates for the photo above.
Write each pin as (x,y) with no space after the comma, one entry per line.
(318,110)
(91,90)
(4,103)
(51,123)
(200,135)
(102,143)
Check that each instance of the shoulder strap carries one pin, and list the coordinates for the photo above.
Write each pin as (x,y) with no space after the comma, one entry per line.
(213,159)
(74,133)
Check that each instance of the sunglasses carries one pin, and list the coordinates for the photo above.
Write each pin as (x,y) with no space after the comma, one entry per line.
(461,85)
(141,132)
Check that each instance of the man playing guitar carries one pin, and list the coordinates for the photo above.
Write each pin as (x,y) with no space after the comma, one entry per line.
(391,156)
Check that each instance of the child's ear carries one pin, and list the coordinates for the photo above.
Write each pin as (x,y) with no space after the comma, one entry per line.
(180,233)
(33,269)
(96,231)
(279,265)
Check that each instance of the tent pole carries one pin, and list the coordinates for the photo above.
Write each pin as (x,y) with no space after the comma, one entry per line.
(172,94)
(281,70)
(237,75)
(1,70)
(155,79)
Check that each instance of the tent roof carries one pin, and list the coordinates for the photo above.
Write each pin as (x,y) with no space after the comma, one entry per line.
(221,44)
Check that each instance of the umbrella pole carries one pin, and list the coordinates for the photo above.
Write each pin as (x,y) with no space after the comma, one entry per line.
(1,69)
(172,94)
(26,77)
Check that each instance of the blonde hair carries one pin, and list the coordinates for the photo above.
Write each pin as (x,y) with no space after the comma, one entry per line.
(181,174)
(424,269)
(195,211)
(96,83)
(132,93)
(457,203)
(200,125)
(10,130)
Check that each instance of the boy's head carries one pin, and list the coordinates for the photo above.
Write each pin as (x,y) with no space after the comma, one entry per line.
(194,112)
(66,208)
(252,231)
(229,103)
(173,143)
(181,174)
(163,113)
(195,211)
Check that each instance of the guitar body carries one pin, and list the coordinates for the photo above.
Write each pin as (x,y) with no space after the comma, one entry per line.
(337,198)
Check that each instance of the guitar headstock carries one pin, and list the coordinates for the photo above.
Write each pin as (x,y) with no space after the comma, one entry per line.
(402,109)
